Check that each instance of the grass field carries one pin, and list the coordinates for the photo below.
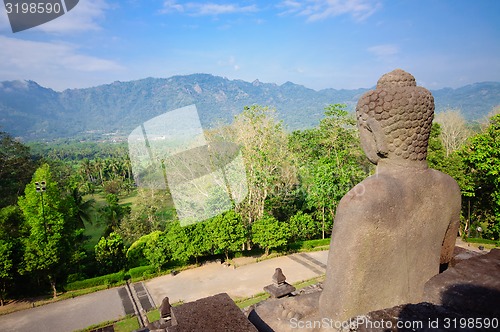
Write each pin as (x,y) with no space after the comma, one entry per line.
(95,227)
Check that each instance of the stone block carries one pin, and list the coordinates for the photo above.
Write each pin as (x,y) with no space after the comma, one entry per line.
(213,313)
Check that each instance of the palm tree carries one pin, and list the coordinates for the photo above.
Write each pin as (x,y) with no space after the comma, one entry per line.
(83,208)
(99,165)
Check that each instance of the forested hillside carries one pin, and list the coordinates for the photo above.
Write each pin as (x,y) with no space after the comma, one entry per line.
(112,111)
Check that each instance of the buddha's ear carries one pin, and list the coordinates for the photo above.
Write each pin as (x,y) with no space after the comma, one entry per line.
(379,136)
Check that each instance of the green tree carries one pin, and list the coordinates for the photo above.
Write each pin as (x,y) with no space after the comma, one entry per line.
(110,253)
(330,161)
(199,239)
(6,265)
(82,207)
(453,165)
(227,232)
(270,233)
(482,159)
(178,242)
(157,250)
(12,225)
(435,149)
(303,227)
(51,231)
(16,168)
(133,226)
(270,171)
(151,211)
(135,253)
(113,213)
(12,230)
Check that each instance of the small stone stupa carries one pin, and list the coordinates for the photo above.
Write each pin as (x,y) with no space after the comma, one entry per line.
(279,287)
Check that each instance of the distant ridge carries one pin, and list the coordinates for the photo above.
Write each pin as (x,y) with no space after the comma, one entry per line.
(32,112)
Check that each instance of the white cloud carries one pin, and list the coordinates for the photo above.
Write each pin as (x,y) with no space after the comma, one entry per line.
(52,63)
(206,9)
(85,16)
(4,20)
(316,10)
(171,6)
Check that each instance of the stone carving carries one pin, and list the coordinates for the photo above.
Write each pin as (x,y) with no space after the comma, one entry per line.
(163,323)
(392,230)
(165,309)
(278,277)
(280,287)
(402,114)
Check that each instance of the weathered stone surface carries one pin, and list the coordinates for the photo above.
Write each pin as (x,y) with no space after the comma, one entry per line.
(165,309)
(461,254)
(392,230)
(165,317)
(214,313)
(453,298)
(411,317)
(472,286)
(278,276)
(280,314)
(279,290)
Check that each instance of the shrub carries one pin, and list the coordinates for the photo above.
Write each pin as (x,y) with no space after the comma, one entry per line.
(135,254)
(141,271)
(75,277)
(303,226)
(270,233)
(308,245)
(110,253)
(108,279)
(157,250)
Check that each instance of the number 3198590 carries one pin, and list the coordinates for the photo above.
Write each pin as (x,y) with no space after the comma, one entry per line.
(33,8)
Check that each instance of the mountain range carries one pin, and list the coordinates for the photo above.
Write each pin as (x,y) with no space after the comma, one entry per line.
(32,112)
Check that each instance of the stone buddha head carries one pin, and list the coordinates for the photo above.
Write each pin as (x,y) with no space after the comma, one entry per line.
(395,119)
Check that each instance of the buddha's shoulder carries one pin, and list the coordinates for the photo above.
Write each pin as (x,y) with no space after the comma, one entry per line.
(390,186)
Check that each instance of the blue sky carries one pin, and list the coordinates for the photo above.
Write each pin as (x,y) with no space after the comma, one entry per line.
(316,43)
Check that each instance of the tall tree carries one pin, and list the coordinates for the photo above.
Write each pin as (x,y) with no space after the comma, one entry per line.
(435,149)
(454,130)
(16,168)
(303,227)
(49,217)
(454,166)
(152,209)
(270,171)
(113,213)
(12,231)
(330,161)
(82,207)
(199,239)
(178,242)
(6,265)
(482,159)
